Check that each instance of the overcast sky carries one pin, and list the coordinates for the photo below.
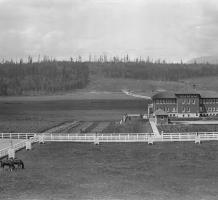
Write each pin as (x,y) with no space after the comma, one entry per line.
(167,29)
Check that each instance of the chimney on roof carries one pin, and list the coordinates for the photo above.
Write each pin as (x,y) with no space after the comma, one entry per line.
(194,86)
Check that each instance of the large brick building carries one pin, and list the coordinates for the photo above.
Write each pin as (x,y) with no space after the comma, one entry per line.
(186,104)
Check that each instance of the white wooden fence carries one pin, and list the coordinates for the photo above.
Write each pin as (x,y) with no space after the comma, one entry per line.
(17,135)
(108,137)
(97,138)
(18,146)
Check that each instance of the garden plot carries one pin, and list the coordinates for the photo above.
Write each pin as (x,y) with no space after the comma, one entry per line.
(81,128)
(100,127)
(63,128)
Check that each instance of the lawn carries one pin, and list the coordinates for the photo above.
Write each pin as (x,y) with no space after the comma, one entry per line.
(163,171)
(188,128)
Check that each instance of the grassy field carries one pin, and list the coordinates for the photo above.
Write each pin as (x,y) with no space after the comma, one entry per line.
(204,83)
(163,171)
(188,128)
(147,86)
(37,116)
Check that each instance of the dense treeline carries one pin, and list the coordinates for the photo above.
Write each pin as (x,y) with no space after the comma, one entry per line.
(42,77)
(50,76)
(153,71)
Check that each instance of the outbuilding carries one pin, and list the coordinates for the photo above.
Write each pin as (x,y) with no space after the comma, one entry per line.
(161,117)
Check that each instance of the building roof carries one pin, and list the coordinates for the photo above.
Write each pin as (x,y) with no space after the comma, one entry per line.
(209,94)
(164,95)
(187,91)
(160,112)
(203,94)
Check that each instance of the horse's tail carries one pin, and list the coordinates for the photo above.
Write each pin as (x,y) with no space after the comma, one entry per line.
(22,164)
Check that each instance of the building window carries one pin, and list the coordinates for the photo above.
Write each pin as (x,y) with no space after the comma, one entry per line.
(201,109)
(193,101)
(188,101)
(214,109)
(188,109)
(201,101)
(174,109)
(168,109)
(183,110)
(183,101)
(209,109)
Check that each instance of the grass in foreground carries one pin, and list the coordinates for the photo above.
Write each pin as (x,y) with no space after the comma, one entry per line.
(115,171)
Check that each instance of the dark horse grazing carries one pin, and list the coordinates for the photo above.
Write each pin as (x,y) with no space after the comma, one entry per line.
(11,163)
(19,163)
(8,163)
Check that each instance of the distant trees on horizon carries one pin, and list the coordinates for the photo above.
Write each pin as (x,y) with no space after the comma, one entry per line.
(44,77)
(47,76)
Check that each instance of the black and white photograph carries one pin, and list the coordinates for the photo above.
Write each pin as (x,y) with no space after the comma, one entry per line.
(108,99)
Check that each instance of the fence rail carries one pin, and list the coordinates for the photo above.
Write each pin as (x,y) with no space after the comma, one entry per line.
(17,135)
(18,146)
(108,137)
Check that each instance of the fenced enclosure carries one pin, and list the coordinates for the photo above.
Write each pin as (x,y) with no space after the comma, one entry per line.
(150,138)
(18,146)
(114,137)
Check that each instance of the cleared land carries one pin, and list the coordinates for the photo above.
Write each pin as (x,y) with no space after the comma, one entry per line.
(115,171)
(39,116)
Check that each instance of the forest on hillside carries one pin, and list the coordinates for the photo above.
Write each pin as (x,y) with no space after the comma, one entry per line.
(42,77)
(153,71)
(50,76)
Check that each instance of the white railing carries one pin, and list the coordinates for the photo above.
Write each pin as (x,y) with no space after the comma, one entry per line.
(18,146)
(3,152)
(109,137)
(17,135)
(101,137)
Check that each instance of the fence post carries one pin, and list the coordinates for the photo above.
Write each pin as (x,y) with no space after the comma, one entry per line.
(11,152)
(96,140)
(197,139)
(41,139)
(150,139)
(28,145)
